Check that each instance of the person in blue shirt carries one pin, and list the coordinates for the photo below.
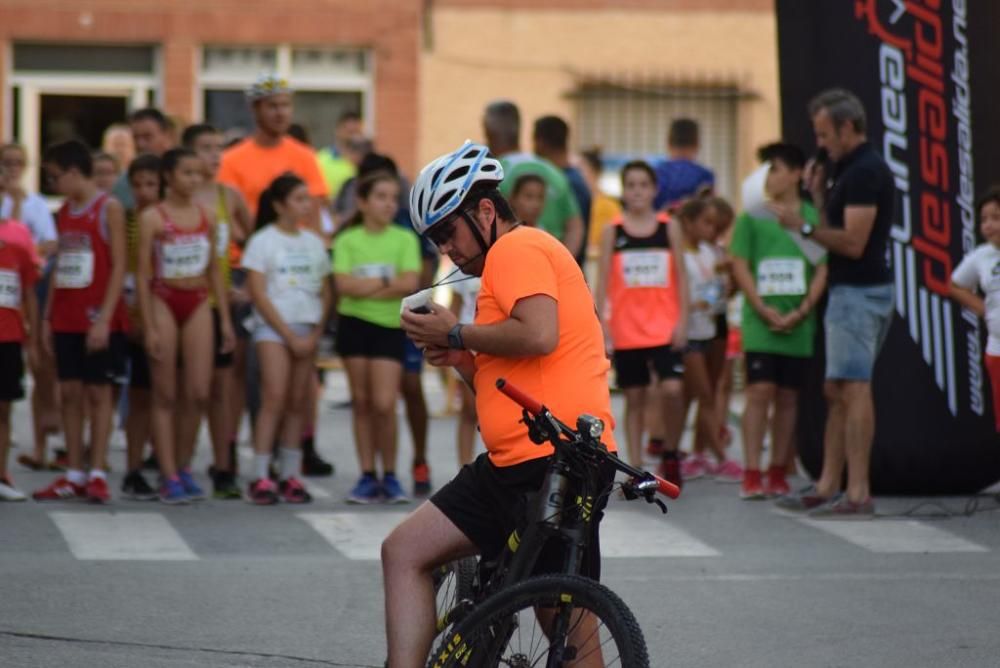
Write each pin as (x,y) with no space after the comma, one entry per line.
(551,141)
(681,176)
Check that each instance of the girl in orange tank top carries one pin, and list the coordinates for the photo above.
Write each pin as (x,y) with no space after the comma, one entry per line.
(642,302)
(176,269)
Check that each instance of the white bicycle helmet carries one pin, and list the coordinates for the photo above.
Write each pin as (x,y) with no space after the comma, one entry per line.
(444,183)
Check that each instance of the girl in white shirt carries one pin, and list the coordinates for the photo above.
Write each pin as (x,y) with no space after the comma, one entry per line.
(288,279)
(981,269)
(707,290)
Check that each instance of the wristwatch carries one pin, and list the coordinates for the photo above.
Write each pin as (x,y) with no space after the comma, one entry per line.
(807,230)
(455,341)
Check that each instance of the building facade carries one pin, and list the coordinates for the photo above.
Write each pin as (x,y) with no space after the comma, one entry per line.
(420,71)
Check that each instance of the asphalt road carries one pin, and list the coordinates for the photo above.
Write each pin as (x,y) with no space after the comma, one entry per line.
(717,582)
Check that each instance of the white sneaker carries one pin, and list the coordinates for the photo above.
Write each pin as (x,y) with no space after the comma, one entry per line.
(10,493)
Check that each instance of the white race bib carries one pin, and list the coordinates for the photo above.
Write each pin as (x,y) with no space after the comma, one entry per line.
(375,271)
(75,269)
(646,268)
(129,293)
(297,269)
(784,276)
(221,239)
(185,257)
(10,289)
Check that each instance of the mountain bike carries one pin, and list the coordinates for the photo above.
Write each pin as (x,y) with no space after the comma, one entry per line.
(498,613)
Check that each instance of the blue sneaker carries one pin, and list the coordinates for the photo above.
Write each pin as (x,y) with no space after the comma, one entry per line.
(191,488)
(393,491)
(366,491)
(172,492)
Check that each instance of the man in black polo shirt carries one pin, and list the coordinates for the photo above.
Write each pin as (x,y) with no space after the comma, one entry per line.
(855,197)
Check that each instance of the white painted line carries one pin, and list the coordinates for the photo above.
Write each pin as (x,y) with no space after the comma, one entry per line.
(122,537)
(631,535)
(896,536)
(357,536)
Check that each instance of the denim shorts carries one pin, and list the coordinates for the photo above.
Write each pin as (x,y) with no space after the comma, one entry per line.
(856,325)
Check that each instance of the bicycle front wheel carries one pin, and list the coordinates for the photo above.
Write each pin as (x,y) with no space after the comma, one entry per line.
(556,621)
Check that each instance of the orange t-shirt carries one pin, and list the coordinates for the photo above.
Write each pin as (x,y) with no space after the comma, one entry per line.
(250,168)
(569,381)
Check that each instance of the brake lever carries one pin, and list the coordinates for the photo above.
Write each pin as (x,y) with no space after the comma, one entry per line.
(658,502)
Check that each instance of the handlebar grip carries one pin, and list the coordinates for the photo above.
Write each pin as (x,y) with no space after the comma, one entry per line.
(667,488)
(519,397)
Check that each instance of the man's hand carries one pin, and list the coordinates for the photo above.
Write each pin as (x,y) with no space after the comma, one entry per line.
(772,318)
(97,336)
(443,357)
(786,215)
(429,330)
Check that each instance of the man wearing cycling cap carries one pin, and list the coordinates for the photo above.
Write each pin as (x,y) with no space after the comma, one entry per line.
(535,326)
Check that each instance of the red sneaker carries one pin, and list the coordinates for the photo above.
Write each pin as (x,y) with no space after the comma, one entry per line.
(60,490)
(293,491)
(670,470)
(751,488)
(97,491)
(776,484)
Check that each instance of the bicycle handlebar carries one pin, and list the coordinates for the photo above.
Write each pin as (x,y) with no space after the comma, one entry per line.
(664,487)
(519,397)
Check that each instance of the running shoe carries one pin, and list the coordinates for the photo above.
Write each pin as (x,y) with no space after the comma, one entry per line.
(224,486)
(728,471)
(135,487)
(61,461)
(367,490)
(392,490)
(421,479)
(172,492)
(293,491)
(842,508)
(804,499)
(776,485)
(191,488)
(151,463)
(97,490)
(60,490)
(751,489)
(8,492)
(312,464)
(670,470)
(694,467)
(263,492)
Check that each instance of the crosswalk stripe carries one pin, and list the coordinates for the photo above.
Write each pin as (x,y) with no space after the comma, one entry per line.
(122,536)
(357,536)
(896,536)
(631,535)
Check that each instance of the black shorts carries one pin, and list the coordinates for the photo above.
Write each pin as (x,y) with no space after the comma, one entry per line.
(11,371)
(360,338)
(632,366)
(721,328)
(698,345)
(74,362)
(239,312)
(782,370)
(222,360)
(138,376)
(488,502)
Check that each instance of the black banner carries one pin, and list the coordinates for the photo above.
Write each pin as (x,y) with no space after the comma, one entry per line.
(927,73)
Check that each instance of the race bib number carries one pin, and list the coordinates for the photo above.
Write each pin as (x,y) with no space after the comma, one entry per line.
(297,270)
(374,271)
(129,293)
(184,257)
(221,240)
(646,269)
(75,269)
(781,277)
(10,289)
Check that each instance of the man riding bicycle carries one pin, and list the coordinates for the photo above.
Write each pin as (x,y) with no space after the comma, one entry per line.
(535,326)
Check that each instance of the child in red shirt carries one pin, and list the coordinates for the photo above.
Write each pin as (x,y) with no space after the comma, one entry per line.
(85,319)
(18,307)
